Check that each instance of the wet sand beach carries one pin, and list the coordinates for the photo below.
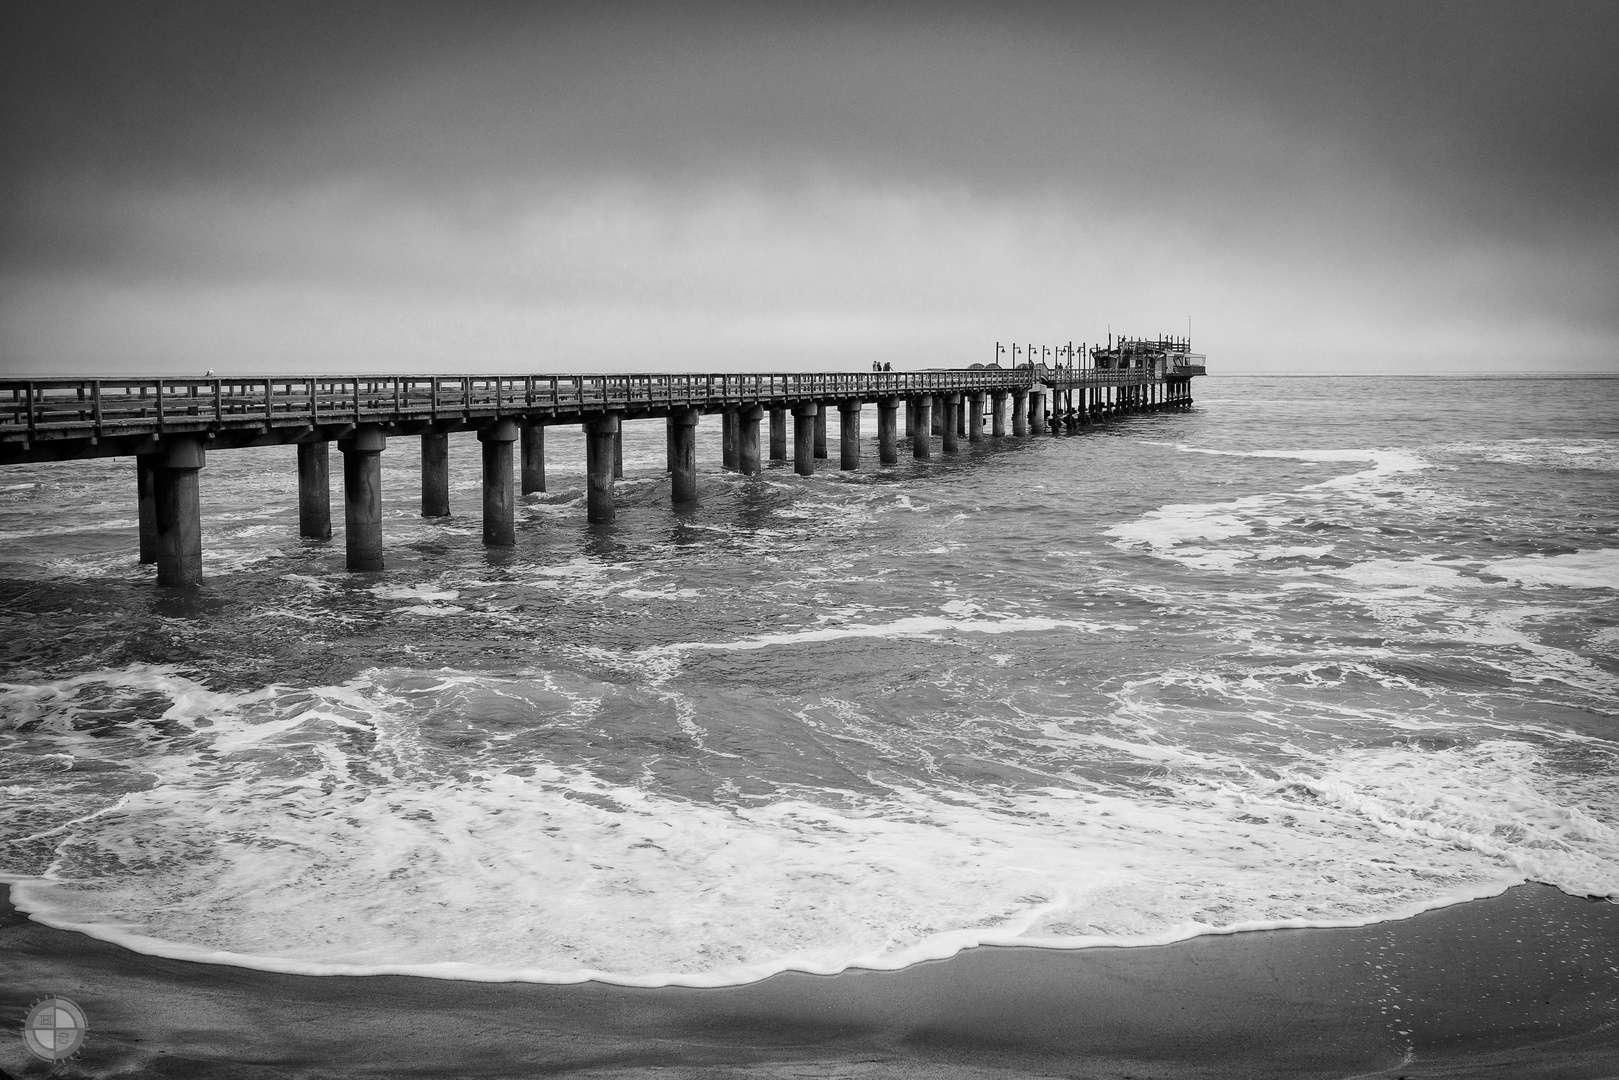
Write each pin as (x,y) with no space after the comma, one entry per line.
(1525,984)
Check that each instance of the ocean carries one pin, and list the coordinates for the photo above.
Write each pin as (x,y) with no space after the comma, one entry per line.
(1319,651)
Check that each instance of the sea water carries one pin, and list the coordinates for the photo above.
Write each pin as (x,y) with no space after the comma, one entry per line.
(1318,651)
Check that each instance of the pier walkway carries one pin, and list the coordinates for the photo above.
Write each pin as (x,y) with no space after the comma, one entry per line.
(169,426)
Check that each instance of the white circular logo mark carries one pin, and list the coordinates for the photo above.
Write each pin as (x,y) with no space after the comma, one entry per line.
(55,1028)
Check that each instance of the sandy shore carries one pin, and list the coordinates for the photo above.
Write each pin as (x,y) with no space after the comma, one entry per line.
(1522,985)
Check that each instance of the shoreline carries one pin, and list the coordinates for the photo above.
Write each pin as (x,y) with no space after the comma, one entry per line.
(1525,984)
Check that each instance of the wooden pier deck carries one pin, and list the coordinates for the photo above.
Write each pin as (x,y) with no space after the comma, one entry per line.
(169,425)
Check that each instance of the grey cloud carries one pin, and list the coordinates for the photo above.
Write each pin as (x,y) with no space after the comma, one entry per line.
(1467,150)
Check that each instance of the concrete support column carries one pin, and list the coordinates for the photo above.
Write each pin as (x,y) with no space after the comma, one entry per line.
(146,503)
(778,434)
(601,440)
(849,434)
(747,440)
(922,436)
(728,440)
(887,421)
(975,416)
(683,456)
(962,401)
(804,414)
(1020,412)
(362,497)
(177,503)
(1037,412)
(820,432)
(910,417)
(948,425)
(618,451)
(997,413)
(435,474)
(936,409)
(499,483)
(314,491)
(532,451)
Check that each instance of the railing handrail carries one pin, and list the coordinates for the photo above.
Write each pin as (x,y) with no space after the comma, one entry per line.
(129,404)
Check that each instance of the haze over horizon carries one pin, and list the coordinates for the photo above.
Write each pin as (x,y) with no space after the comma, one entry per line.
(502,186)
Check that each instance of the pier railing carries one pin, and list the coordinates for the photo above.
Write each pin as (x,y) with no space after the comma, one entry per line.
(45,407)
(33,409)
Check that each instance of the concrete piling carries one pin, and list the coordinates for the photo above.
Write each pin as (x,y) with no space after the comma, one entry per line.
(499,484)
(804,414)
(849,434)
(532,451)
(177,506)
(778,434)
(683,455)
(435,474)
(948,424)
(618,451)
(820,432)
(922,439)
(146,504)
(314,491)
(728,440)
(601,441)
(362,497)
(887,421)
(1020,413)
(997,418)
(747,440)
(975,417)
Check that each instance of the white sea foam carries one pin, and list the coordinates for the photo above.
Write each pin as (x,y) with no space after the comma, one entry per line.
(1594,569)
(413,592)
(918,626)
(365,859)
(1214,536)
(1400,574)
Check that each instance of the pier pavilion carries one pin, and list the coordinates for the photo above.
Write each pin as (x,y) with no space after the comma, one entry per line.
(169,426)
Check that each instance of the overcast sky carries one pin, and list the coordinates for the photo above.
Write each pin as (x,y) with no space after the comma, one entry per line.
(461,187)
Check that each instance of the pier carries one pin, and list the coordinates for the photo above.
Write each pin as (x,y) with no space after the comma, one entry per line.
(169,426)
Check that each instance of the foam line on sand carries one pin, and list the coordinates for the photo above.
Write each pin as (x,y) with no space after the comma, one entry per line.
(1524,984)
